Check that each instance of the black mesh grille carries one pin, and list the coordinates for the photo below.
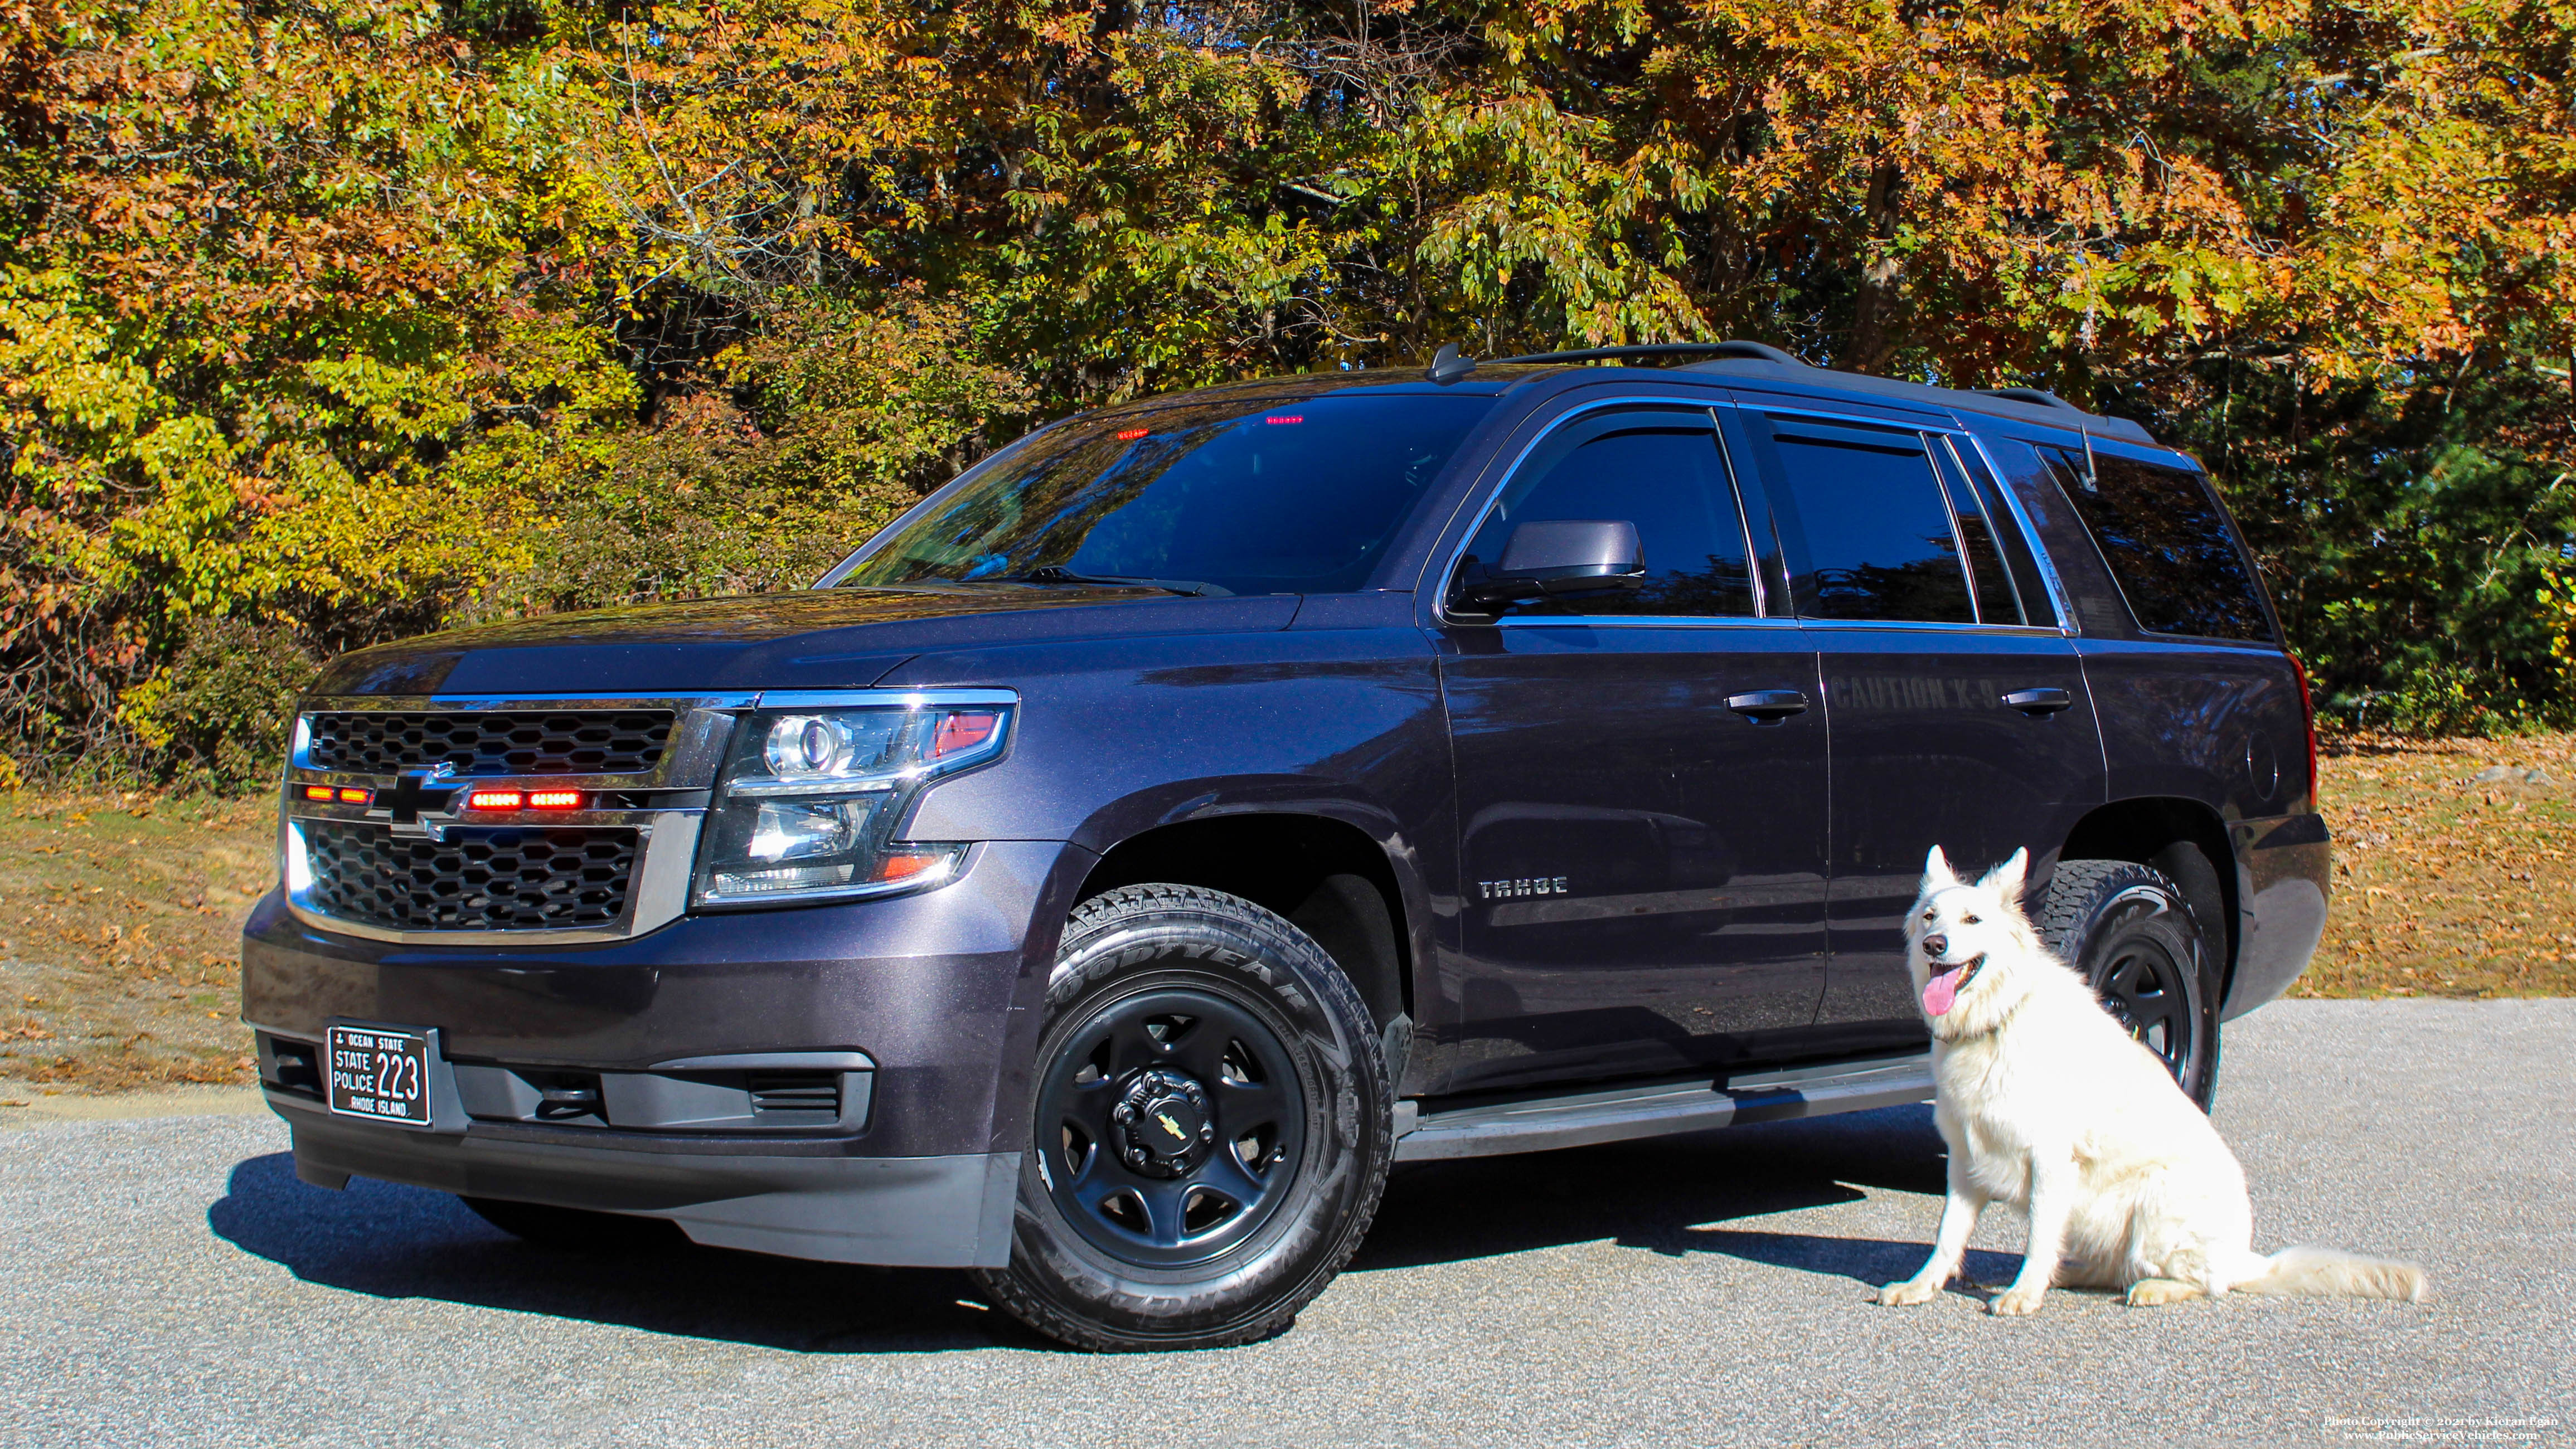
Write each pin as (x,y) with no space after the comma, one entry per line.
(474,880)
(490,743)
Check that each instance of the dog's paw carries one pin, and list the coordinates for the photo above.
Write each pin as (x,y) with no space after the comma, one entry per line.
(2157,1292)
(2016,1302)
(1908,1293)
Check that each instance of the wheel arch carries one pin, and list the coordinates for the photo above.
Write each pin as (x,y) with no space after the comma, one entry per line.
(2186,840)
(1336,878)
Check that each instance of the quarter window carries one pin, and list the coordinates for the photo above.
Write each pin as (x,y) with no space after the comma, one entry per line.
(2166,542)
(1660,470)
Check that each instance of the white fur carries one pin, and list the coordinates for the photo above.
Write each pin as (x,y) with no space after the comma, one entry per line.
(2048,1106)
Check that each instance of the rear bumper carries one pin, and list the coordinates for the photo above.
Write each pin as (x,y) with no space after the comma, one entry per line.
(932,999)
(2285,870)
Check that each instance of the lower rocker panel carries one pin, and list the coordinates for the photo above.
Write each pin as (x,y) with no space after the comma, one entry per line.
(1658,1109)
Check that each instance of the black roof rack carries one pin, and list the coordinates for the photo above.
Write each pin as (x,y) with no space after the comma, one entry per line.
(2040,395)
(1758,351)
(2028,403)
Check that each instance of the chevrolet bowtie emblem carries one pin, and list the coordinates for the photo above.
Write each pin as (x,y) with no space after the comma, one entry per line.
(418,794)
(1171,1126)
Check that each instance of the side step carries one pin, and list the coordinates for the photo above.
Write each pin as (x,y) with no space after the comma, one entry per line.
(1657,1109)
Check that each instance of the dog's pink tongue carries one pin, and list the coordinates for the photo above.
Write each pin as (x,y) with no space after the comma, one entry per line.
(1941,993)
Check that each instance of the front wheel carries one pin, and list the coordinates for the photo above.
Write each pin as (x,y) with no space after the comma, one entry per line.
(1211,1127)
(2128,928)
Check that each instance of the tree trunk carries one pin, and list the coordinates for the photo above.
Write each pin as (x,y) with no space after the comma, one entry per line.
(1876,315)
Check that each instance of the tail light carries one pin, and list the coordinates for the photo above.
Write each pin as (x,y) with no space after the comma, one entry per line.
(2308,715)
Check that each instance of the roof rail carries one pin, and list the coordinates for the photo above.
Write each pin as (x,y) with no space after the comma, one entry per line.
(1757,351)
(2039,395)
(1449,365)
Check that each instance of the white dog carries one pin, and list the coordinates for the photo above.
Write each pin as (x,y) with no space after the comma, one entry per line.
(2049,1106)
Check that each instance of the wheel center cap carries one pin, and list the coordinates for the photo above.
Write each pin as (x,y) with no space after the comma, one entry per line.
(1163,1122)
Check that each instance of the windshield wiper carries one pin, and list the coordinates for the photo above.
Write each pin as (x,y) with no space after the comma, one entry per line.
(1059,574)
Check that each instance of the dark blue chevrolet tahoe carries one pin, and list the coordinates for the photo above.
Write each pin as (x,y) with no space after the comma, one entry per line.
(1105,875)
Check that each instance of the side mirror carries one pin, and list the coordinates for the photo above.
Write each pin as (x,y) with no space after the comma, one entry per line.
(1573,556)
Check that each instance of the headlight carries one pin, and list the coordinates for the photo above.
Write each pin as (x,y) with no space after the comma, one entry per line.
(808,802)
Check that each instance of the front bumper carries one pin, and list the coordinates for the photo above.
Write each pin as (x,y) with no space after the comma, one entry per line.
(951,1211)
(937,994)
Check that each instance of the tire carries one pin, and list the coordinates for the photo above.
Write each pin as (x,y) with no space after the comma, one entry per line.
(2129,929)
(1210,1127)
(576,1229)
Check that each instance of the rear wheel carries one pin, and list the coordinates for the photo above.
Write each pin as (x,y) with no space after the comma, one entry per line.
(1210,1129)
(2128,928)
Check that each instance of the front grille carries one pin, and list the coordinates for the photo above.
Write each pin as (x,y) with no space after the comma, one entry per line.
(491,742)
(474,880)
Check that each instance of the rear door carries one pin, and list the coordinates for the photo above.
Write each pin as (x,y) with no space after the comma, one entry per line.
(1643,861)
(1957,706)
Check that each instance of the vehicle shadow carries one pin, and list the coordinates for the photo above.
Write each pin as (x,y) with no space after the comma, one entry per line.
(410,1243)
(1665,1195)
(407,1242)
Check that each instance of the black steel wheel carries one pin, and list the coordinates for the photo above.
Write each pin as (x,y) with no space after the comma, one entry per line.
(2129,930)
(1180,1120)
(1210,1127)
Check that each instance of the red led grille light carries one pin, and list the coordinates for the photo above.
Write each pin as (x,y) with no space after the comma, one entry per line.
(554,800)
(495,800)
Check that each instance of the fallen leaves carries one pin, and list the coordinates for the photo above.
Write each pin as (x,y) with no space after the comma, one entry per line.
(2451,874)
(129,940)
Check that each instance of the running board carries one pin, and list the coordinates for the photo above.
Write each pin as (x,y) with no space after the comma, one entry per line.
(1657,1109)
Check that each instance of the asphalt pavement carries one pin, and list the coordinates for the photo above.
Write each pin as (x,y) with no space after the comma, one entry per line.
(167,1281)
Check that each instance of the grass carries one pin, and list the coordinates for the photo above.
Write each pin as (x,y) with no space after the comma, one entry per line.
(120,914)
(2445,884)
(120,927)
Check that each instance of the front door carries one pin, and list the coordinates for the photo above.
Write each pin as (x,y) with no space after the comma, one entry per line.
(1958,709)
(1640,781)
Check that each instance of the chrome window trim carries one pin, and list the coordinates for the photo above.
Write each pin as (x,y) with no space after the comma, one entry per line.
(668,829)
(1638,621)
(1669,402)
(2058,599)
(1952,431)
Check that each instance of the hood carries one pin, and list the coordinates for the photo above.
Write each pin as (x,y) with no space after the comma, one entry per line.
(810,639)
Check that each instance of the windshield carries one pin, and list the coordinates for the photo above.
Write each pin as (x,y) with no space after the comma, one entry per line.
(1229,496)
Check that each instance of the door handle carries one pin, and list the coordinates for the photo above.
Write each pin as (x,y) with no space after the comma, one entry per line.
(1768,706)
(2039,702)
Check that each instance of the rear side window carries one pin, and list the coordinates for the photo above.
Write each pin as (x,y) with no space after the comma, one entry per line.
(1657,469)
(1880,542)
(2167,544)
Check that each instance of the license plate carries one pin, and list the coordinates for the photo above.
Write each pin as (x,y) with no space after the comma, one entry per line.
(380,1073)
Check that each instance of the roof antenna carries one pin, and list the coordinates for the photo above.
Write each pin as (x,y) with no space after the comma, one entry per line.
(1447,365)
(2092,478)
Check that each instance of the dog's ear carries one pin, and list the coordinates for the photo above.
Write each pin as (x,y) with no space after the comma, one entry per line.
(1937,875)
(2006,879)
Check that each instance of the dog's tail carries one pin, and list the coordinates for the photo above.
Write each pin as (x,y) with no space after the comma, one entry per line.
(2326,1271)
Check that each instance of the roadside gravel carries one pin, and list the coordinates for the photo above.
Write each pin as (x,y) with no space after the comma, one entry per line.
(170,1283)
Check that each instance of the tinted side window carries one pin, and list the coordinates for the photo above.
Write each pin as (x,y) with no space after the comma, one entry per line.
(2161,533)
(1996,603)
(1658,470)
(1879,540)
